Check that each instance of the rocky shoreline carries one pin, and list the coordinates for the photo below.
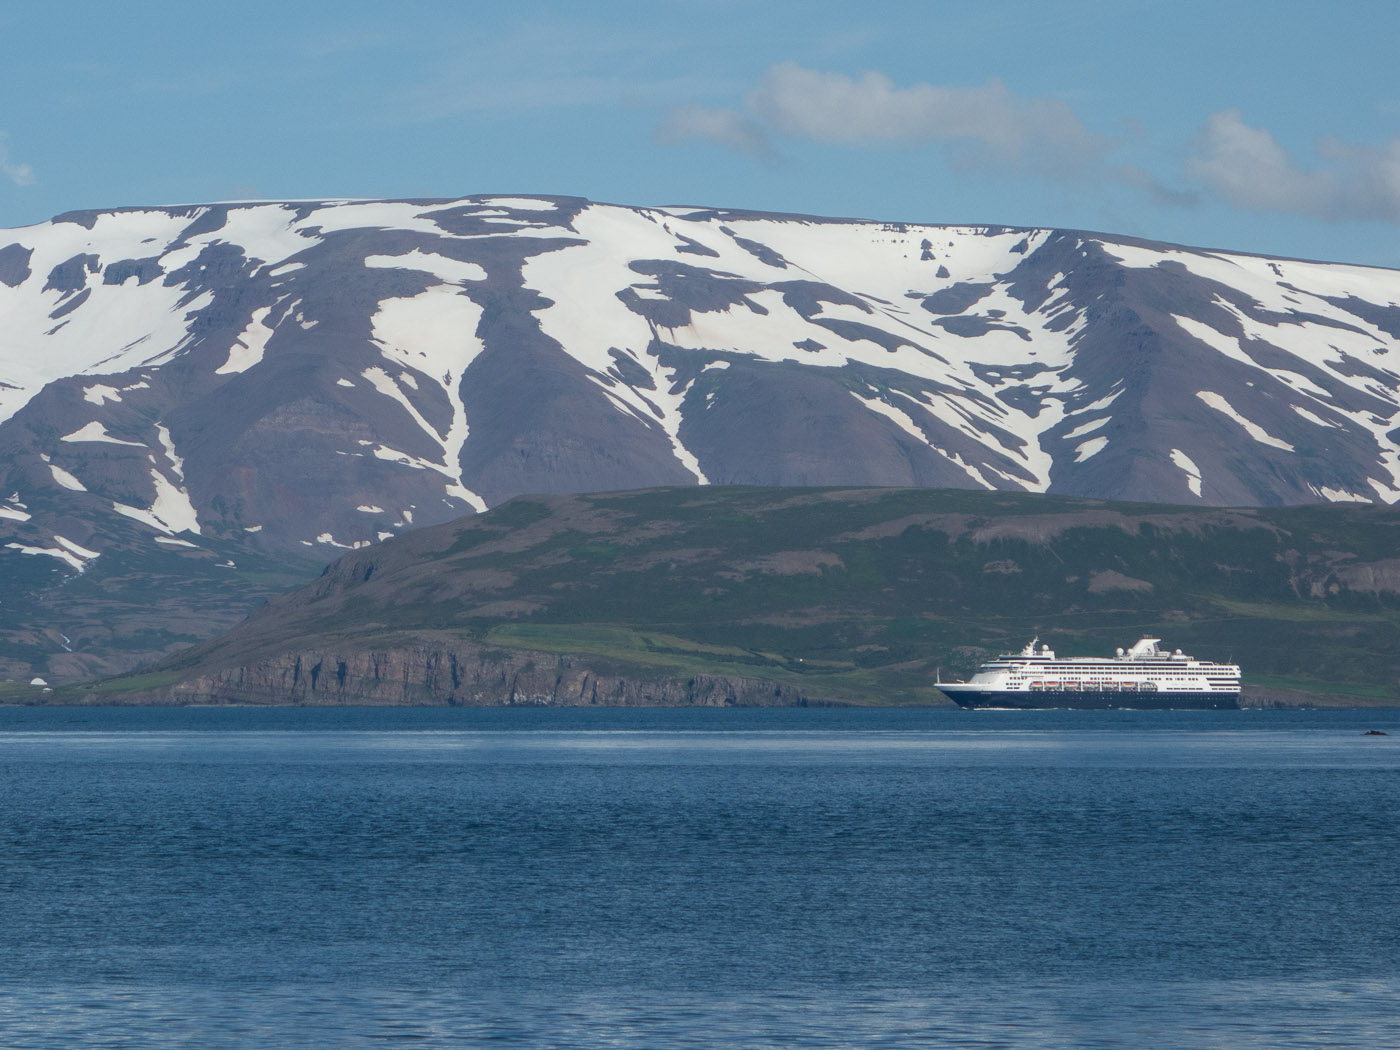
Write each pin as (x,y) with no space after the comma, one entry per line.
(464,675)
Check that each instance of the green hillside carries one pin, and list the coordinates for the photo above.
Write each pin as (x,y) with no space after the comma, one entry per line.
(851,595)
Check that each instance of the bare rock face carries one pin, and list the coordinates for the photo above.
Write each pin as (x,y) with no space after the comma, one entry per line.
(256,388)
(464,675)
(1378,577)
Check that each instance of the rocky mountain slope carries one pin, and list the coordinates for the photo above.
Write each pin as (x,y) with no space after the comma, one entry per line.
(783,596)
(198,404)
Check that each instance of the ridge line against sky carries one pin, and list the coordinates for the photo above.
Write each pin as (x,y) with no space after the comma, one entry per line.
(1259,127)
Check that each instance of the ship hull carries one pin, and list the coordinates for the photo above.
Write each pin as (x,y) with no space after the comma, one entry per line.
(1089,700)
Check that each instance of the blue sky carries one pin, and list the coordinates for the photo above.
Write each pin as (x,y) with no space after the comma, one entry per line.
(1265,127)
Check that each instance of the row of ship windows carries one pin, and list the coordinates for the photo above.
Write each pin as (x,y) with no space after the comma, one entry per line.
(1081,672)
(1116,688)
(1112,667)
(1102,665)
(1125,687)
(1109,681)
(1105,672)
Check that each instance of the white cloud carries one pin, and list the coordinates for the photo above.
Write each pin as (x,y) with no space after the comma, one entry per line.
(1140,178)
(1246,166)
(832,107)
(727,127)
(986,124)
(1370,178)
(19,174)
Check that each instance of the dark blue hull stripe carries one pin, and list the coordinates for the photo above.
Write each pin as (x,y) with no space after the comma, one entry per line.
(1106,700)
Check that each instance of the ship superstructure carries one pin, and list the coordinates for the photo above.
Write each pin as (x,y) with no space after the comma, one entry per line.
(1141,677)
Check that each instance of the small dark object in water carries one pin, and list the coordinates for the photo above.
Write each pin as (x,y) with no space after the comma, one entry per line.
(1375,732)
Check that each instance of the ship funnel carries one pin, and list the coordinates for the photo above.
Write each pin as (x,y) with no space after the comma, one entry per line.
(1144,647)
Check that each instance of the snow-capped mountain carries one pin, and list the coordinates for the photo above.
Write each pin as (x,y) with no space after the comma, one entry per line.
(288,380)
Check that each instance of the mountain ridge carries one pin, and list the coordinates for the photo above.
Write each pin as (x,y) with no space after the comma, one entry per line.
(257,386)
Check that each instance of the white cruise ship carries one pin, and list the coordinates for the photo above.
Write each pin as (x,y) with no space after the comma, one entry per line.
(1141,677)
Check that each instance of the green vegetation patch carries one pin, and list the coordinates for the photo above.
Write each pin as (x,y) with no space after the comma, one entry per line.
(867,594)
(20,693)
(115,688)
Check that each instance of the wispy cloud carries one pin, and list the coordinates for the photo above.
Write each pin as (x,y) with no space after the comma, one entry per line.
(726,127)
(550,65)
(988,122)
(982,125)
(1139,178)
(1245,166)
(19,174)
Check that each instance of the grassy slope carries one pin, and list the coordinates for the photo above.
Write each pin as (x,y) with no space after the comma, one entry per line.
(863,594)
(134,603)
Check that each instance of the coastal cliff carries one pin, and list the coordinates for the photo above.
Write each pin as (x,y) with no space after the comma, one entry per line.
(464,675)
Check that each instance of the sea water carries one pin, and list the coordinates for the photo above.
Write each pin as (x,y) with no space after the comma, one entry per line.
(652,879)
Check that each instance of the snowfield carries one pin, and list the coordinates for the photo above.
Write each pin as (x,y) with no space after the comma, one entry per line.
(314,373)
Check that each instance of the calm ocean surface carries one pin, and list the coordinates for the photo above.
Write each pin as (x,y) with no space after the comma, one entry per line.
(728,879)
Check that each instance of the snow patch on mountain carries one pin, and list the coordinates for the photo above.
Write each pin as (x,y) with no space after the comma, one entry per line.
(63,477)
(66,552)
(1342,495)
(96,432)
(589,319)
(74,548)
(1089,448)
(522,203)
(1254,430)
(268,233)
(88,327)
(141,515)
(385,384)
(434,333)
(167,444)
(337,217)
(449,271)
(175,541)
(1312,418)
(1189,468)
(99,394)
(1085,428)
(890,412)
(172,506)
(248,348)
